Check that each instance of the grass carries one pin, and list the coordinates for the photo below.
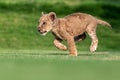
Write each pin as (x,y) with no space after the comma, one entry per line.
(69,2)
(57,65)
(82,55)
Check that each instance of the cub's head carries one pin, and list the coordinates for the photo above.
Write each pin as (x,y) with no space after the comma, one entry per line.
(46,22)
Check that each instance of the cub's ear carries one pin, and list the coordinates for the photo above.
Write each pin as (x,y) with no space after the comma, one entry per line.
(42,13)
(52,16)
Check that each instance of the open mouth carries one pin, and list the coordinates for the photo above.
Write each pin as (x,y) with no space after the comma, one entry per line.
(42,32)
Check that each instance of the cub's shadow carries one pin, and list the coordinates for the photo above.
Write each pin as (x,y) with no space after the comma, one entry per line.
(50,54)
(57,54)
(66,54)
(87,54)
(93,54)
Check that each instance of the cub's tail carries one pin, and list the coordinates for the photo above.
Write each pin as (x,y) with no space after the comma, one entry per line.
(103,23)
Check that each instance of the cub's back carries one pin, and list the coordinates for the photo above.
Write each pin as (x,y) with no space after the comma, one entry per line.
(81,16)
(78,22)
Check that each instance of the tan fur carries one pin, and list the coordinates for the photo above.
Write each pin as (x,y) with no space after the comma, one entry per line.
(71,28)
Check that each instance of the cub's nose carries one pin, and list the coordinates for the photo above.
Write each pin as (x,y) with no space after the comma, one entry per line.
(38,29)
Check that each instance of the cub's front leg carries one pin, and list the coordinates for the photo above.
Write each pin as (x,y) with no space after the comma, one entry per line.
(72,46)
(59,45)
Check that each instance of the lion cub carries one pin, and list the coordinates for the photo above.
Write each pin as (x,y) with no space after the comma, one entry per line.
(71,28)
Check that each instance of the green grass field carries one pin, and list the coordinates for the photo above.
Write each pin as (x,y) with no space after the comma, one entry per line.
(26,55)
(56,65)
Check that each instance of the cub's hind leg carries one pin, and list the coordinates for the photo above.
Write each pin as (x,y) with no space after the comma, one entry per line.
(91,30)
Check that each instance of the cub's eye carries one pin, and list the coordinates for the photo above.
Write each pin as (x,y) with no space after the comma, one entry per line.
(44,23)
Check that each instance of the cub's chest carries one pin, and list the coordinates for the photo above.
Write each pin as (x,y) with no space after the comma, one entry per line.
(57,34)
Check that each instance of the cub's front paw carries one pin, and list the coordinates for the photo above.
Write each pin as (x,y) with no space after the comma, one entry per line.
(73,54)
(63,48)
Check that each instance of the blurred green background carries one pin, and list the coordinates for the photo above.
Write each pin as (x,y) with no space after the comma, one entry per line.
(26,55)
(19,21)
